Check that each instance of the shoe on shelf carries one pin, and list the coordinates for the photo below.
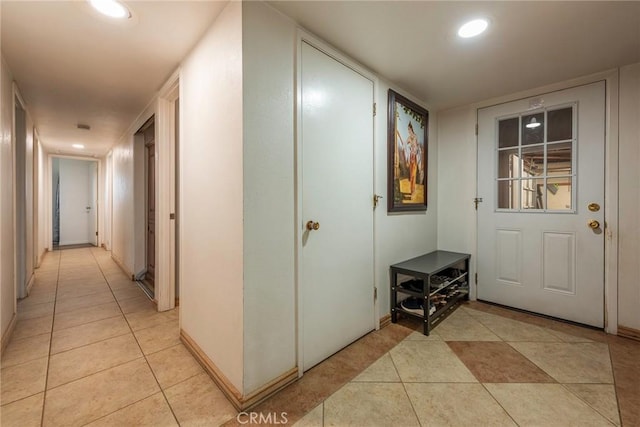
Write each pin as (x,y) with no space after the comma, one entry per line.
(414,285)
(413,305)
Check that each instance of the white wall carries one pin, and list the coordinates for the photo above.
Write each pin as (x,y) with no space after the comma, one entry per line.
(211,189)
(29,194)
(75,193)
(629,213)
(457,185)
(122,195)
(269,243)
(43,172)
(401,236)
(7,291)
(269,43)
(106,201)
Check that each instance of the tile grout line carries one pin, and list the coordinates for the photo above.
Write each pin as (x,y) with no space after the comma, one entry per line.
(478,380)
(87,323)
(139,346)
(615,386)
(564,386)
(498,402)
(404,387)
(53,321)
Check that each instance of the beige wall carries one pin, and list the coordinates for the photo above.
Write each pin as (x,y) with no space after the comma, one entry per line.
(211,189)
(629,213)
(7,291)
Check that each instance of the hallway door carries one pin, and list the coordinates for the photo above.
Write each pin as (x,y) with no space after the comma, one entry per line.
(76,208)
(22,276)
(150,150)
(541,225)
(92,203)
(337,211)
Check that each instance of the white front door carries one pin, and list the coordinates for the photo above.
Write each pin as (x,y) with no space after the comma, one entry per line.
(337,190)
(541,222)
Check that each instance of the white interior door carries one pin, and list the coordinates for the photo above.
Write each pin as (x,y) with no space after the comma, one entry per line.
(337,189)
(75,197)
(540,169)
(92,203)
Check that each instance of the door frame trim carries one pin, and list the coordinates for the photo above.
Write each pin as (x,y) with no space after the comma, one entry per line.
(611,79)
(304,36)
(49,193)
(18,289)
(165,188)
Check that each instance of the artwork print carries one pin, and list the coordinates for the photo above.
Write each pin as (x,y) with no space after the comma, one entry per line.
(407,141)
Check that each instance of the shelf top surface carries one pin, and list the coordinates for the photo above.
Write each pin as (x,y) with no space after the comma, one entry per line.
(431,262)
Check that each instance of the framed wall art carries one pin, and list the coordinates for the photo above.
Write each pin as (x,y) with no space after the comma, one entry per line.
(407,155)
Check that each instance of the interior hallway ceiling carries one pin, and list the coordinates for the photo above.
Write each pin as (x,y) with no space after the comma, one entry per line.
(75,67)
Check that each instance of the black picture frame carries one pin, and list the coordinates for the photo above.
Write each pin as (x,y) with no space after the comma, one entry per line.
(407,146)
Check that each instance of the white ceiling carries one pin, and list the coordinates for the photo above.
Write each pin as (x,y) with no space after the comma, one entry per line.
(74,67)
(529,44)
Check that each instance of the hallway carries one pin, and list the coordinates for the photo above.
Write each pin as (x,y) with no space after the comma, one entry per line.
(89,348)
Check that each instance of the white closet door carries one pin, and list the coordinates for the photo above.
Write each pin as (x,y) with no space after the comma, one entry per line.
(337,189)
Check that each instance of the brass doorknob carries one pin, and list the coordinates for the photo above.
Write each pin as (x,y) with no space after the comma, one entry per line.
(594,207)
(311,225)
(594,224)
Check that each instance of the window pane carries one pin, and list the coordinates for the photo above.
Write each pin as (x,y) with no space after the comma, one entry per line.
(559,159)
(560,124)
(559,194)
(532,194)
(533,161)
(508,192)
(533,129)
(508,163)
(508,133)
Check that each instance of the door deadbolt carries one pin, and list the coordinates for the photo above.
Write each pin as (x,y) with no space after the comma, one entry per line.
(594,207)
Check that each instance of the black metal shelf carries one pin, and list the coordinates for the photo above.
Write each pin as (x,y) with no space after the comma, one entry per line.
(423,267)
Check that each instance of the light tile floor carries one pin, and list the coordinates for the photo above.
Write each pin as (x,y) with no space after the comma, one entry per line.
(90,349)
(480,369)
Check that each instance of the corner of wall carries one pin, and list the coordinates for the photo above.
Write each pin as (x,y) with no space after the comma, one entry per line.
(211,193)
(268,196)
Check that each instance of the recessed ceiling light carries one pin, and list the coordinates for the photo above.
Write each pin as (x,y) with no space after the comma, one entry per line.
(473,28)
(111,8)
(78,146)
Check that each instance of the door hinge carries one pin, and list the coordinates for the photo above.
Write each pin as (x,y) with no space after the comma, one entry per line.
(96,233)
(376,200)
(476,129)
(476,279)
(375,106)
(375,293)
(476,201)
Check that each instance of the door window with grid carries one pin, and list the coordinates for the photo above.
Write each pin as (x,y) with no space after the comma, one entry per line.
(536,160)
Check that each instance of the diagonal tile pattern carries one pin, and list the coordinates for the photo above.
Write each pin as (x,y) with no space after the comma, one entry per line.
(89,348)
(480,368)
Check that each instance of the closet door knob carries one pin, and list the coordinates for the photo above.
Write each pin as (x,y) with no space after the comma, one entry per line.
(311,225)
